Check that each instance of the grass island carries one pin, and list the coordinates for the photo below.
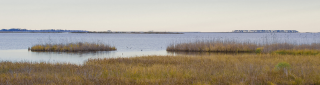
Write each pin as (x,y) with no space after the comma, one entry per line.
(73,47)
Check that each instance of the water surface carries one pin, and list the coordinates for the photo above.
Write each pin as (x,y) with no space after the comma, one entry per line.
(13,46)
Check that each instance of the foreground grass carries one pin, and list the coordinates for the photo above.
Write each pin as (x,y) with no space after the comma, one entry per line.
(72,47)
(218,69)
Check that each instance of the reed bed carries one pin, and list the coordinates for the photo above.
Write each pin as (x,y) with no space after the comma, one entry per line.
(232,46)
(215,46)
(73,47)
(297,52)
(265,69)
(290,47)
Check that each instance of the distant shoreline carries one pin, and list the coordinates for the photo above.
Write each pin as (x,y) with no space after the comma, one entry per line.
(144,32)
(105,32)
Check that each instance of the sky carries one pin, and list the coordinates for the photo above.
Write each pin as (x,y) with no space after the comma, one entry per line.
(161,15)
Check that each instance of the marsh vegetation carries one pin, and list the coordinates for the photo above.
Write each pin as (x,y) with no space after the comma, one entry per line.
(220,69)
(281,63)
(73,47)
(233,46)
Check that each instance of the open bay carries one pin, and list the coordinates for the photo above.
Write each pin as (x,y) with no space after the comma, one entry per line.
(13,46)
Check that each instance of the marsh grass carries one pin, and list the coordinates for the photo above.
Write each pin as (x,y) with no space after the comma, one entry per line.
(171,70)
(213,46)
(73,47)
(207,53)
(297,52)
(233,46)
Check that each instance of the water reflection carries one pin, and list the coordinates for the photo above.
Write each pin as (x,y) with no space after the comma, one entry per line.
(77,54)
(80,57)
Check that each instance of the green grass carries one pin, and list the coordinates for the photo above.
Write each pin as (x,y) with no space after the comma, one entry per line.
(73,47)
(220,69)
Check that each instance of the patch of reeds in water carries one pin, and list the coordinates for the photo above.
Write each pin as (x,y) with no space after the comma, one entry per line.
(297,52)
(287,46)
(264,69)
(73,47)
(219,46)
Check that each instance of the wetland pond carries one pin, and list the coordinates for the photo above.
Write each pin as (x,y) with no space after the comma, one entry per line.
(14,46)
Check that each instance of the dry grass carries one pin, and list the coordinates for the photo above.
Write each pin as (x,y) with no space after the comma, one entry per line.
(72,47)
(287,46)
(216,46)
(219,46)
(297,52)
(219,69)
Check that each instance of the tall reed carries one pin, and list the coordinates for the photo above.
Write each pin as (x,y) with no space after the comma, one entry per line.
(213,46)
(234,46)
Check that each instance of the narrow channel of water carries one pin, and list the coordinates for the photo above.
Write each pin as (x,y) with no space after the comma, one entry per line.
(69,57)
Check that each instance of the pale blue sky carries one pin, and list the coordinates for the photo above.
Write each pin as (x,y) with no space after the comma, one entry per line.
(161,15)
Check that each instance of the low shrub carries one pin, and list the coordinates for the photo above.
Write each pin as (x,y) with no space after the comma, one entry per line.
(282,65)
(259,50)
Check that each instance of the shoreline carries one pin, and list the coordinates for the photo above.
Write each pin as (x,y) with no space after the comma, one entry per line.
(107,32)
(146,32)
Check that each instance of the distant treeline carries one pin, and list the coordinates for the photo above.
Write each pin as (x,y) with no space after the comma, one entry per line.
(136,32)
(18,30)
(265,31)
(48,30)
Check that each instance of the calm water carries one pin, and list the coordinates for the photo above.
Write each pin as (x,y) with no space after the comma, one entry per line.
(13,46)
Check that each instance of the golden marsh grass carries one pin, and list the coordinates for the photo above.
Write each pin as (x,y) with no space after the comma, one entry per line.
(219,46)
(73,47)
(213,47)
(297,52)
(148,70)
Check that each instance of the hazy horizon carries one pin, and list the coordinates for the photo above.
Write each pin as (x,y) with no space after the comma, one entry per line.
(161,15)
